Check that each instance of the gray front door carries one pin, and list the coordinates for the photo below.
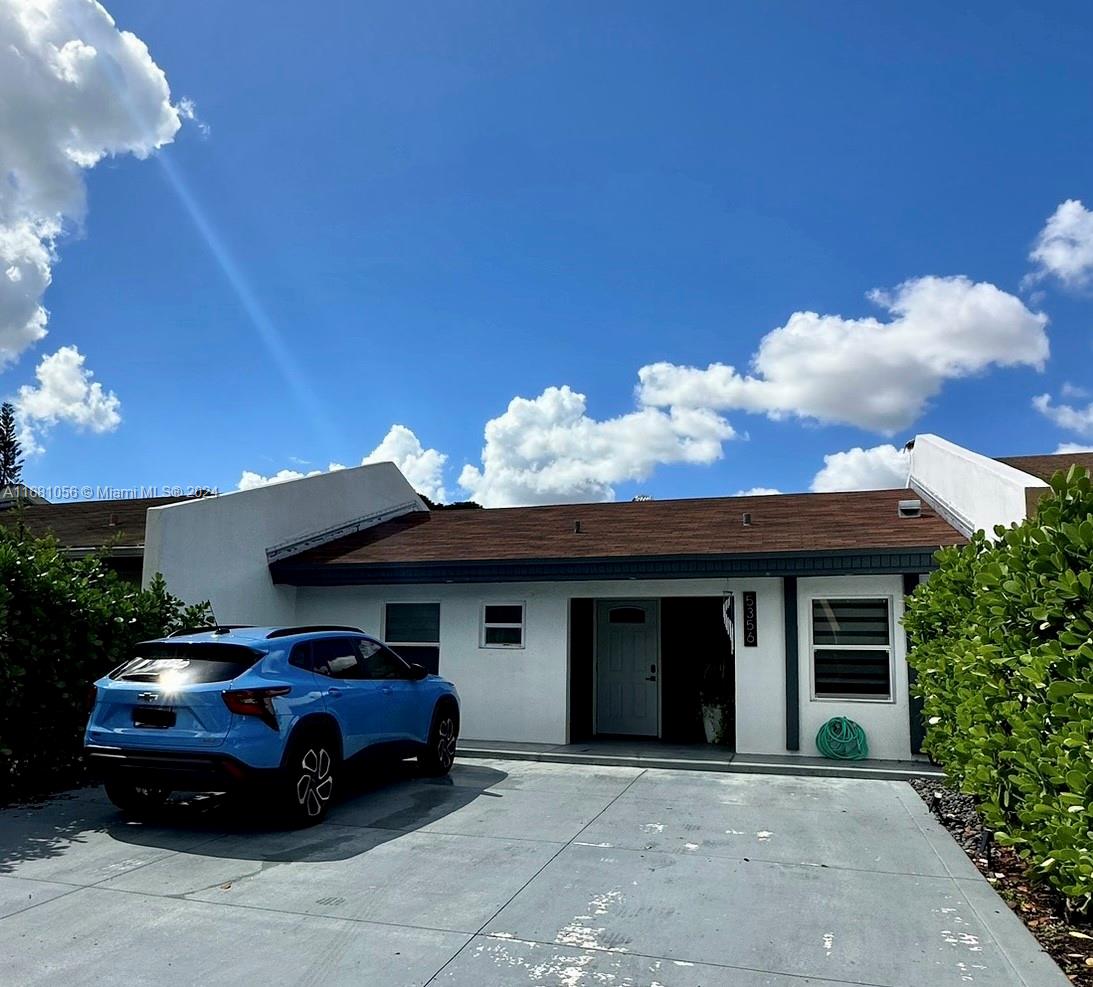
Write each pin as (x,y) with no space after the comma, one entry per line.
(627,667)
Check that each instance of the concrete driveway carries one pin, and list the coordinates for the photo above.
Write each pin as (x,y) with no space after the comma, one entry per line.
(514,873)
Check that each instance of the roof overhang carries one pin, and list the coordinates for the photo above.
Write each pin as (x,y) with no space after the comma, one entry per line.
(830,563)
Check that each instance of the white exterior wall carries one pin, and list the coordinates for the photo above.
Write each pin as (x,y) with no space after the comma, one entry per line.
(974,491)
(886,724)
(505,693)
(214,548)
(522,694)
(761,671)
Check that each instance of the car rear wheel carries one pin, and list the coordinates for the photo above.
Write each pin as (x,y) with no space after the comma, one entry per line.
(439,754)
(136,800)
(308,779)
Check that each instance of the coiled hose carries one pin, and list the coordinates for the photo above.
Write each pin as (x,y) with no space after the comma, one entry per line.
(842,739)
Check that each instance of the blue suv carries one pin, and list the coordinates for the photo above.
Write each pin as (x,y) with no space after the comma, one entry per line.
(280,707)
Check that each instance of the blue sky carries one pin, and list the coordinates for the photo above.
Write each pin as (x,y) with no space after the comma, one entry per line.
(413,214)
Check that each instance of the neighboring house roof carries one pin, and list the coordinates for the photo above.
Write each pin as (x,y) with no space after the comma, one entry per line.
(1045,467)
(85,525)
(665,529)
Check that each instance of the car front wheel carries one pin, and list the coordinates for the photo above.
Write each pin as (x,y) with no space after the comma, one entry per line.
(439,754)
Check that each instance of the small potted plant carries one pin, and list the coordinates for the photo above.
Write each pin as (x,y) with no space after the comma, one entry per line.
(714,698)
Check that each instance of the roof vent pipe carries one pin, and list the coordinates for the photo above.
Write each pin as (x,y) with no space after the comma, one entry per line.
(745,519)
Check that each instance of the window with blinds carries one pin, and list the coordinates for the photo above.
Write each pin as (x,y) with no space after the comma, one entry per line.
(852,649)
(413,631)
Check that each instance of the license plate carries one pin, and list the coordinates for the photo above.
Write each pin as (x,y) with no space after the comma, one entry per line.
(153,716)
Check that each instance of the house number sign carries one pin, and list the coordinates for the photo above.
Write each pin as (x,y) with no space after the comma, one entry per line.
(751,622)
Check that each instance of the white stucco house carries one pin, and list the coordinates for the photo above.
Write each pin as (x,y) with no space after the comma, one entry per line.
(562,623)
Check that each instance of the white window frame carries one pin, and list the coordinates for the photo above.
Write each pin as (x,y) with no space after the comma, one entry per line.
(890,648)
(412,644)
(482,625)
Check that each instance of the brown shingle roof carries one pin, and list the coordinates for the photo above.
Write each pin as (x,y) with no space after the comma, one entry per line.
(713,526)
(89,523)
(1045,467)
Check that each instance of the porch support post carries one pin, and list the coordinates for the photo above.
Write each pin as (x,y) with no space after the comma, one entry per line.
(793,694)
(914,703)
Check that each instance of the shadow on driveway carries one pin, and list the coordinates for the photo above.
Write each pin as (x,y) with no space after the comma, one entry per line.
(383,801)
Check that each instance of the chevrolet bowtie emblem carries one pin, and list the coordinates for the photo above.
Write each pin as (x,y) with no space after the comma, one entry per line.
(148,697)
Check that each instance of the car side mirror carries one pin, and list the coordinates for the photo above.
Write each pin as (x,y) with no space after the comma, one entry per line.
(418,672)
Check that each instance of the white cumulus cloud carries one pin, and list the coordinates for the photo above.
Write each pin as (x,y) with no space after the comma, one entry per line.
(882,467)
(758,492)
(1066,448)
(65,392)
(548,450)
(423,468)
(1064,247)
(1067,416)
(875,374)
(75,90)
(249,480)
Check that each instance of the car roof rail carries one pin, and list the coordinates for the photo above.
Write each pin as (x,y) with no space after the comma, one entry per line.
(308,628)
(208,629)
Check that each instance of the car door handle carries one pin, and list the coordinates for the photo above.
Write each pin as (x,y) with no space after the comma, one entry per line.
(650,678)
(333,693)
(386,690)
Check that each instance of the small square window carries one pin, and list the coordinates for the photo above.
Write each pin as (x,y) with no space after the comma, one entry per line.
(503,625)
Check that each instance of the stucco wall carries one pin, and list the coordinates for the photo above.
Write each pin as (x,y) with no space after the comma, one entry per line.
(522,694)
(215,548)
(972,490)
(886,724)
(505,693)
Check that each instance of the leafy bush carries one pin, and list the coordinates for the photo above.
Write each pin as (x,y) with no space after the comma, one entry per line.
(63,624)
(1002,639)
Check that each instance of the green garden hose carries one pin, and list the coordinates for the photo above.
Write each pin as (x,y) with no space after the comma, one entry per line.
(843,739)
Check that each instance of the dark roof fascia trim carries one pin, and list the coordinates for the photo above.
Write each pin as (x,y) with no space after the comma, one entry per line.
(110,551)
(869,561)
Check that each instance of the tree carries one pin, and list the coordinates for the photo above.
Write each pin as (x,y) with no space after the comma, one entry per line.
(11,451)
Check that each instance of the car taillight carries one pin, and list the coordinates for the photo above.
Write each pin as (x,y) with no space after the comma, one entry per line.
(92,697)
(256,702)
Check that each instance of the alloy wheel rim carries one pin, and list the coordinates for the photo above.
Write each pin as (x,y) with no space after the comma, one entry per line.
(315,784)
(445,745)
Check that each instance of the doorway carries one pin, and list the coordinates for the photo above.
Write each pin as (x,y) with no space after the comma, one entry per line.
(628,667)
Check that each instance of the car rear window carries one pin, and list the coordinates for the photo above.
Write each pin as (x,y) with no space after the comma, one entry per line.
(184,664)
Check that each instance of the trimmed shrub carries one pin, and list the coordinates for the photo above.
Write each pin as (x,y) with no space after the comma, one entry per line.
(63,624)
(1002,639)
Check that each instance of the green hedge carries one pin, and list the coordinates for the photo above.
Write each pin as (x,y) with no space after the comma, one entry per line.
(63,624)
(1002,639)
